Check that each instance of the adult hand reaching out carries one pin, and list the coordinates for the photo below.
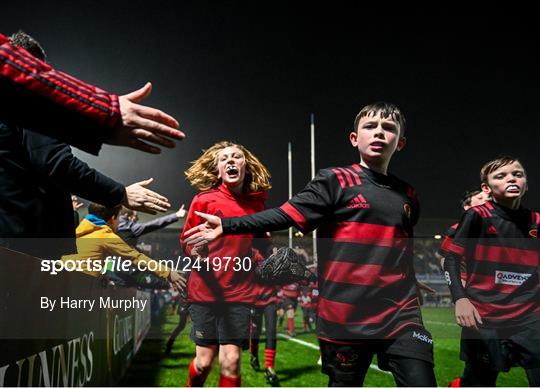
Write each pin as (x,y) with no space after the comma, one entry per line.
(139,198)
(140,122)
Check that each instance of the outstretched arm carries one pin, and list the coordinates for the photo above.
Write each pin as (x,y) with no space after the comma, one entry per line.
(37,96)
(139,229)
(214,227)
(138,197)
(305,210)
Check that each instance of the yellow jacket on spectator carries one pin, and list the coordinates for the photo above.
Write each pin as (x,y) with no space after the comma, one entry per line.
(97,242)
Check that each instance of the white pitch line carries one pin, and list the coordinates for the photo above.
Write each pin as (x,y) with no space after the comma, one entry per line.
(313,346)
(442,323)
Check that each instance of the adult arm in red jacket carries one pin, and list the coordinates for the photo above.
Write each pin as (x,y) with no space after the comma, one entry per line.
(35,95)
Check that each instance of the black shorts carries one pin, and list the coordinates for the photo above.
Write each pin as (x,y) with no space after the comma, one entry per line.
(414,344)
(502,349)
(349,362)
(220,324)
(289,303)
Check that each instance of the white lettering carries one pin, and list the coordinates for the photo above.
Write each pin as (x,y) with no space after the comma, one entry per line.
(422,337)
(47,303)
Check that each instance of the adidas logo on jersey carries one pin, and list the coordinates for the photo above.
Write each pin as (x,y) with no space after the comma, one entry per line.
(358,202)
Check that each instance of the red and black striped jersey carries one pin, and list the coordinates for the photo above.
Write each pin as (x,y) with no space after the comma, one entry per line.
(502,255)
(447,242)
(366,277)
(291,291)
(31,87)
(448,238)
(22,68)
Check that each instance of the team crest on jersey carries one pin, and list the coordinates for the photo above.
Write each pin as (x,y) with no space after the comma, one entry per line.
(407,209)
(533,233)
(358,202)
(346,360)
(491,230)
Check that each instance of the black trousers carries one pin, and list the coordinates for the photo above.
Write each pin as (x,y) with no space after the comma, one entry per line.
(183,313)
(409,360)
(270,321)
(407,372)
(477,375)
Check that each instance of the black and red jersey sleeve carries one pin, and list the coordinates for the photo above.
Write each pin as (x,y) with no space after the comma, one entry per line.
(455,251)
(447,240)
(62,105)
(305,210)
(315,202)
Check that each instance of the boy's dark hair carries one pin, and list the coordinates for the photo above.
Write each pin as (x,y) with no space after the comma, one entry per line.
(467,197)
(25,41)
(105,213)
(386,110)
(495,164)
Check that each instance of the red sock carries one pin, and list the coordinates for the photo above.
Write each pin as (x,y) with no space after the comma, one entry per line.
(226,381)
(455,382)
(290,325)
(196,379)
(269,356)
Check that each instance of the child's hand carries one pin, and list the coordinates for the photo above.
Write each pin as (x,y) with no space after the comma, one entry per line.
(200,251)
(177,280)
(466,314)
(204,233)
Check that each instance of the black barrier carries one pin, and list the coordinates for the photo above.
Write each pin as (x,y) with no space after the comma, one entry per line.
(71,343)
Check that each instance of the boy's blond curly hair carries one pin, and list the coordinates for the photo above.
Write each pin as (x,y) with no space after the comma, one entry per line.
(203,174)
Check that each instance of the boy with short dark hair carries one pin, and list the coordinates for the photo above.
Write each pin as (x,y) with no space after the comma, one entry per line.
(499,306)
(368,300)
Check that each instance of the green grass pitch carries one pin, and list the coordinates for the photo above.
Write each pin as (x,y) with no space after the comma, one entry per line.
(296,363)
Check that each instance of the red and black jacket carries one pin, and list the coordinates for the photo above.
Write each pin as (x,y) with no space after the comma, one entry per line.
(365,226)
(224,285)
(502,255)
(40,98)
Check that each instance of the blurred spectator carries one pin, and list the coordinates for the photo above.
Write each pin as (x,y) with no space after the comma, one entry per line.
(130,229)
(96,240)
